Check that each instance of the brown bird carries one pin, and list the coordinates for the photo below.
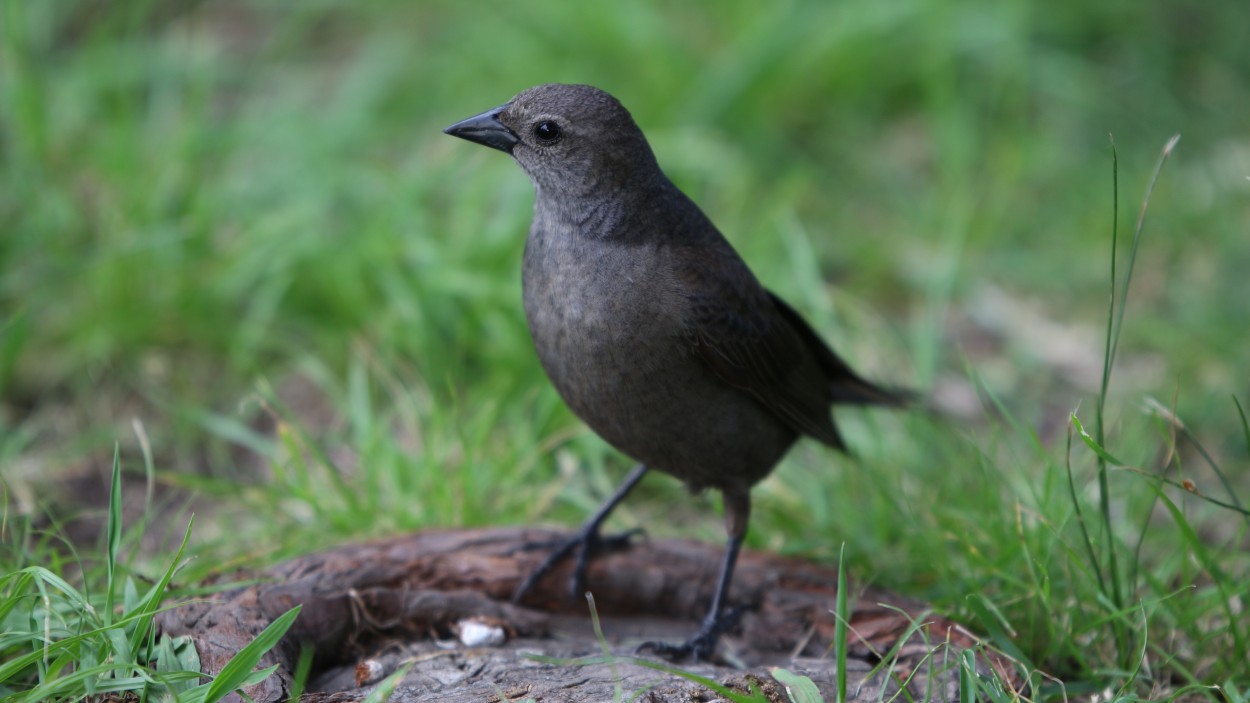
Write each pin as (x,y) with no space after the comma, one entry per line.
(652,328)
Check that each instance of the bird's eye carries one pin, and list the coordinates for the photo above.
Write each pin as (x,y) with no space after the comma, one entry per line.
(547,131)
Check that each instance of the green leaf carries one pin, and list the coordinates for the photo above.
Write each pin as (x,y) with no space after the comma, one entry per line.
(1094,445)
(799,688)
(178,663)
(21,580)
(843,612)
(151,603)
(968,677)
(114,532)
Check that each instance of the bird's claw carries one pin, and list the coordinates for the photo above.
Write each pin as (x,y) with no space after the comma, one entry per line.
(591,545)
(697,648)
(702,645)
(586,543)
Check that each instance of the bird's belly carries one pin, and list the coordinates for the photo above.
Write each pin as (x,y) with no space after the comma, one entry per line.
(625,369)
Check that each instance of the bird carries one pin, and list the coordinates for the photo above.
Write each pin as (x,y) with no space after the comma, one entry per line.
(653,329)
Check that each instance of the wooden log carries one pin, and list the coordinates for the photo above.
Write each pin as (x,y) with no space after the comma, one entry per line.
(369,608)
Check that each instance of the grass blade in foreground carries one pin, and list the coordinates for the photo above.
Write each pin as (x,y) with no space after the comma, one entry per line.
(1112,582)
(238,673)
(799,688)
(842,625)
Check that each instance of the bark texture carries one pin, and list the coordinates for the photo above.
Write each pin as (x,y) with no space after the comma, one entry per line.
(438,602)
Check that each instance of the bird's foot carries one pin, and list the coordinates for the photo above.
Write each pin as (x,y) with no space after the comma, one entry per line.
(587,543)
(702,645)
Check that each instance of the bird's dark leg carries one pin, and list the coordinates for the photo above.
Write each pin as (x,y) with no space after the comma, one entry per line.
(703,643)
(586,541)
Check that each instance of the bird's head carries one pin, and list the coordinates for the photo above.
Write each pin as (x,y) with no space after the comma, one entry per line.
(570,139)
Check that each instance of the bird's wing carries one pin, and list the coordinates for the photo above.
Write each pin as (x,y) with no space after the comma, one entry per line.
(748,339)
(845,386)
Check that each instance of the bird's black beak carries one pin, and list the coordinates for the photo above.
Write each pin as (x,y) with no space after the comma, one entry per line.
(485,129)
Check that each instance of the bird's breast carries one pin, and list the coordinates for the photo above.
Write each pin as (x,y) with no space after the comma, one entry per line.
(611,327)
(591,306)
(600,314)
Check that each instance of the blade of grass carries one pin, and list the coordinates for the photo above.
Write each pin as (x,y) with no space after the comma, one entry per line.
(996,625)
(149,466)
(95,679)
(1094,444)
(1114,586)
(19,582)
(696,678)
(841,625)
(302,668)
(238,671)
(967,677)
(151,603)
(1245,426)
(1215,466)
(382,692)
(1237,508)
(1110,585)
(799,688)
(1108,360)
(603,642)
(888,661)
(1095,564)
(1219,578)
(114,533)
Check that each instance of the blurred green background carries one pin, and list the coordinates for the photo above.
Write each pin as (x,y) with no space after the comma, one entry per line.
(237,227)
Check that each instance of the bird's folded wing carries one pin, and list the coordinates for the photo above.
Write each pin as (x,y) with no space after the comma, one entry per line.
(749,344)
(845,386)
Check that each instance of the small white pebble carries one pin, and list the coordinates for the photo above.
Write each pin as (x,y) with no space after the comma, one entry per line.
(474,633)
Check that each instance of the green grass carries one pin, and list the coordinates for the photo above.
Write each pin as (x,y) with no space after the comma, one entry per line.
(239,224)
(62,643)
